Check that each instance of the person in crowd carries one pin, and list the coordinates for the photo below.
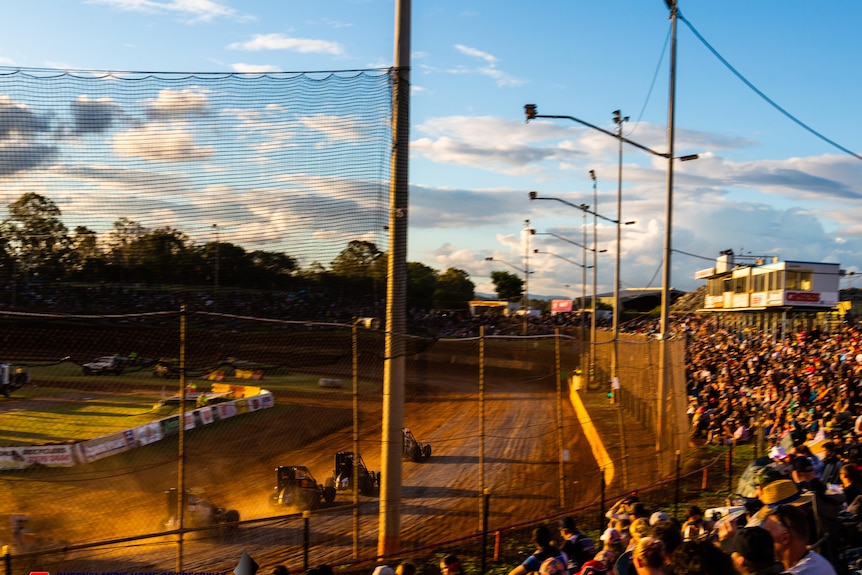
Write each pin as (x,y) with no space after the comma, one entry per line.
(828,504)
(700,558)
(621,509)
(851,481)
(638,509)
(624,565)
(577,547)
(405,568)
(789,528)
(612,547)
(805,451)
(753,552)
(670,534)
(544,550)
(553,566)
(694,526)
(593,567)
(280,570)
(831,464)
(649,556)
(623,525)
(450,565)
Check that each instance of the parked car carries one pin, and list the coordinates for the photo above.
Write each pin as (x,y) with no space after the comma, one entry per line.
(108,364)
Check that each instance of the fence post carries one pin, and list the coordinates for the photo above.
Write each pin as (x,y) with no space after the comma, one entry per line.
(486,496)
(730,468)
(601,515)
(306,516)
(676,490)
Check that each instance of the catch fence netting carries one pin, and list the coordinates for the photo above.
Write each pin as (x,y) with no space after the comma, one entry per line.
(90,456)
(200,170)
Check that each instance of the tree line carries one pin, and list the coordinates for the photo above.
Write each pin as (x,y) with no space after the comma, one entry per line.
(37,247)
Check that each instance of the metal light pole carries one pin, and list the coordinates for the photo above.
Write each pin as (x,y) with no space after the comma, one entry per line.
(525,306)
(216,276)
(524,271)
(584,247)
(595,284)
(618,120)
(586,210)
(668,216)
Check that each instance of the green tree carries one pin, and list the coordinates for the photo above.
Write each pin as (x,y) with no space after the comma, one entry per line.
(87,258)
(37,236)
(356,260)
(421,284)
(508,286)
(121,244)
(454,290)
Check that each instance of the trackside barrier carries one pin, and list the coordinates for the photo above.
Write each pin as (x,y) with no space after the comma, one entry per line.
(249,399)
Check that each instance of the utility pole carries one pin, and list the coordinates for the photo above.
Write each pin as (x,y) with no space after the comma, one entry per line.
(389,536)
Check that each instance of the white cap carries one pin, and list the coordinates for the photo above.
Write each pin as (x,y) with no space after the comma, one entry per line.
(658,516)
(777,452)
(383,570)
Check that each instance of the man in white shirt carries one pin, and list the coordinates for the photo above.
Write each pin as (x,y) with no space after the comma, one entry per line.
(788,525)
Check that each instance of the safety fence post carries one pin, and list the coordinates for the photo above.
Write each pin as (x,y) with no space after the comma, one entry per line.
(486,496)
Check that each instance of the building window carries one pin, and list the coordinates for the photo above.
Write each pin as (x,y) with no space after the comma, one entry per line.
(759,282)
(798,280)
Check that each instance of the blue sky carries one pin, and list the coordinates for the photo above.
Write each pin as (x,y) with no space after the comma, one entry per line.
(763,185)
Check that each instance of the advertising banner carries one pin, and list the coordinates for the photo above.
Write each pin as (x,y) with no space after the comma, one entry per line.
(226,410)
(149,433)
(47,455)
(95,449)
(68,455)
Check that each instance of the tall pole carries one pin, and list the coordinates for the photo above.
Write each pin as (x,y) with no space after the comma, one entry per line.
(586,372)
(595,279)
(526,303)
(619,120)
(217,264)
(388,537)
(668,216)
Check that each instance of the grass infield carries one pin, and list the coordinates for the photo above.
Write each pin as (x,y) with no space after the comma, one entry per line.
(61,405)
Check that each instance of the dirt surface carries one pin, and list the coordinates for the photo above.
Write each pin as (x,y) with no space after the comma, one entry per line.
(440,499)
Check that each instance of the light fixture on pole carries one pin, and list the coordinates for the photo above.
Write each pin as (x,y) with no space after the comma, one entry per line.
(584,247)
(531,113)
(619,120)
(538,251)
(586,210)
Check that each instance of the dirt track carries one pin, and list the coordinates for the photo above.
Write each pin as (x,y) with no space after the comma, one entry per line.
(440,498)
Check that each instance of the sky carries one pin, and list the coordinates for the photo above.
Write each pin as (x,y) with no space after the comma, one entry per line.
(764,92)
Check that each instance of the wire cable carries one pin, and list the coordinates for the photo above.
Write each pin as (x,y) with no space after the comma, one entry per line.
(766,98)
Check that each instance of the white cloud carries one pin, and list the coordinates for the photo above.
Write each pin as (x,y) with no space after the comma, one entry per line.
(254,68)
(281,42)
(490,69)
(198,10)
(160,143)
